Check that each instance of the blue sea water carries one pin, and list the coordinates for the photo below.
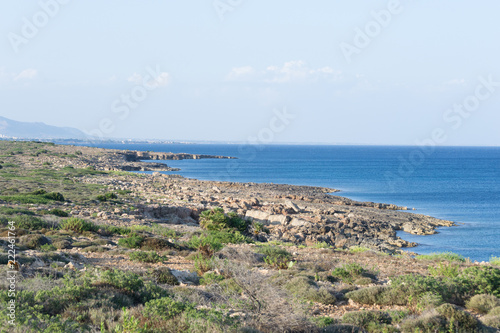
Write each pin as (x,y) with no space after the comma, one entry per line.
(461,184)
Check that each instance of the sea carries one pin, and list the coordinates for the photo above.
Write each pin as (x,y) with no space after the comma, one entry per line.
(461,184)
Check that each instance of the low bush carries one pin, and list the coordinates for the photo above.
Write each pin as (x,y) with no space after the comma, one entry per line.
(483,303)
(495,261)
(348,273)
(306,289)
(156,244)
(445,269)
(33,241)
(445,256)
(366,318)
(164,276)
(458,320)
(492,321)
(126,281)
(229,237)
(13,211)
(78,225)
(426,323)
(58,212)
(211,278)
(276,257)
(202,264)
(132,241)
(216,220)
(27,222)
(358,249)
(495,311)
(149,257)
(482,280)
(206,244)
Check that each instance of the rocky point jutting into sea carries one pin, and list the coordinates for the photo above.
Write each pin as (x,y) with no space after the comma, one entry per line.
(298,214)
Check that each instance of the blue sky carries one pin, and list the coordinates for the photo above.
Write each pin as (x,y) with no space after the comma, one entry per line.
(363,72)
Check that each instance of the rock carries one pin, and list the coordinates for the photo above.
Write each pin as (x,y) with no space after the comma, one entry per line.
(258,215)
(278,219)
(292,206)
(186,277)
(299,222)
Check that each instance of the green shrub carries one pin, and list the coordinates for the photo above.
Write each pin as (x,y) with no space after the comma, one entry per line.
(358,249)
(305,288)
(229,237)
(323,322)
(56,196)
(370,295)
(211,278)
(95,248)
(132,241)
(78,225)
(483,303)
(216,220)
(429,300)
(495,311)
(164,276)
(106,196)
(275,256)
(14,211)
(492,321)
(458,320)
(27,222)
(114,230)
(429,322)
(164,308)
(58,212)
(207,245)
(47,248)
(366,318)
(33,241)
(495,261)
(149,257)
(122,280)
(362,281)
(445,256)
(61,244)
(445,269)
(482,280)
(156,244)
(202,264)
(348,273)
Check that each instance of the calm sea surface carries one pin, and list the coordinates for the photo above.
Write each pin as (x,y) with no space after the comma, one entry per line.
(461,184)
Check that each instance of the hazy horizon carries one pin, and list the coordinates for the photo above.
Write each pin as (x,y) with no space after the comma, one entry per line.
(379,73)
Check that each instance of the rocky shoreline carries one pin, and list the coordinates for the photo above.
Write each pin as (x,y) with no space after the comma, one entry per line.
(298,214)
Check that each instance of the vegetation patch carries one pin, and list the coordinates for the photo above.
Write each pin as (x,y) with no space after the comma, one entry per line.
(276,257)
(78,225)
(148,257)
(445,256)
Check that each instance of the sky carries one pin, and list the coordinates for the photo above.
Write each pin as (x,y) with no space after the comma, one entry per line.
(318,71)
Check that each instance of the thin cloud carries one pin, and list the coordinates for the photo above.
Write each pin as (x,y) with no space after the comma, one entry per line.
(290,72)
(27,74)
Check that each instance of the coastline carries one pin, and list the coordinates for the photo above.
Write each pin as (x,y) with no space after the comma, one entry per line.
(299,214)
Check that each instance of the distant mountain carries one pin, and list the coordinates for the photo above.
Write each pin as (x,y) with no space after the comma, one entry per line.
(24,130)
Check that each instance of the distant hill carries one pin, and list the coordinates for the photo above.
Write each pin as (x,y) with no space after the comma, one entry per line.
(25,130)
